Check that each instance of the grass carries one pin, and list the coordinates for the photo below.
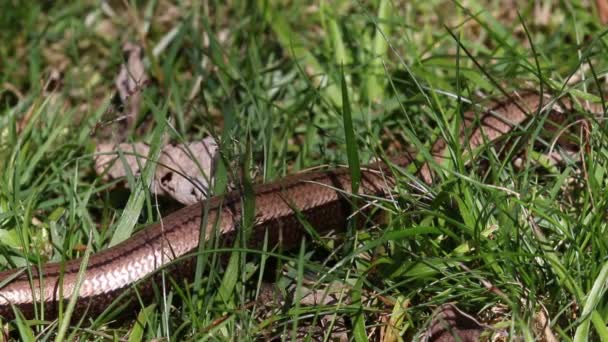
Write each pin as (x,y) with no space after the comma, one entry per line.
(506,245)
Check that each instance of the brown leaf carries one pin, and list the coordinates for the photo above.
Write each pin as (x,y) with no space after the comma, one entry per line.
(53,83)
(542,327)
(316,329)
(108,163)
(332,295)
(451,324)
(542,13)
(184,172)
(106,29)
(131,79)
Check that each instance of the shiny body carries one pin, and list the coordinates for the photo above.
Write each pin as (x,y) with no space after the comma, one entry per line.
(322,198)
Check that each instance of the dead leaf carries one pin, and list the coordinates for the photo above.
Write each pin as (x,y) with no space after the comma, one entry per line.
(131,80)
(543,327)
(451,324)
(271,298)
(269,294)
(332,295)
(542,13)
(110,166)
(102,25)
(393,322)
(53,83)
(184,172)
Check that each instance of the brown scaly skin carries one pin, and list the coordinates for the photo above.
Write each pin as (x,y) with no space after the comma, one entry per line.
(322,198)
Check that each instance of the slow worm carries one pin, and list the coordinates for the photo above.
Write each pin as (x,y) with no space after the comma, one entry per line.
(319,197)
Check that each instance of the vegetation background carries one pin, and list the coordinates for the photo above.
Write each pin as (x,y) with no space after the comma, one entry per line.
(264,77)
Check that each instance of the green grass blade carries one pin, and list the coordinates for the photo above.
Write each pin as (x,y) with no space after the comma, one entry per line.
(594,298)
(374,85)
(25,332)
(352,151)
(67,316)
(292,42)
(137,333)
(126,223)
